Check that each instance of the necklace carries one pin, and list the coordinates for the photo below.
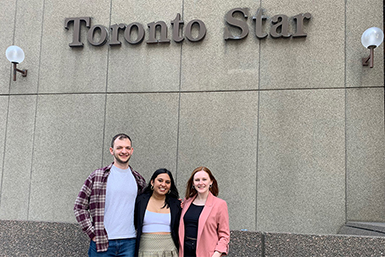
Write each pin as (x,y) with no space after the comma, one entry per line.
(157,205)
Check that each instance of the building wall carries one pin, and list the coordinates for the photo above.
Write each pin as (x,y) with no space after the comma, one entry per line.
(293,129)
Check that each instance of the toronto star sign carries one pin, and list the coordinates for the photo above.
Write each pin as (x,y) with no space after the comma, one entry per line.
(195,30)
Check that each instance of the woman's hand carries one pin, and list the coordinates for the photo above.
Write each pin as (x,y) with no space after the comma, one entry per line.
(217,254)
(181,203)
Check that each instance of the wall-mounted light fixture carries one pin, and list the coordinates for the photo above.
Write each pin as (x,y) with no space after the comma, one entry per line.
(15,55)
(371,38)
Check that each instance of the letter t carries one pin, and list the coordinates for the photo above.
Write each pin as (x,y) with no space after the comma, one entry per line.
(76,35)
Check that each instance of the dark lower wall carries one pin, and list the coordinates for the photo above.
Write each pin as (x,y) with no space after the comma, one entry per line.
(26,238)
(279,244)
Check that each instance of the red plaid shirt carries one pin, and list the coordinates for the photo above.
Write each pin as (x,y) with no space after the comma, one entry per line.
(89,205)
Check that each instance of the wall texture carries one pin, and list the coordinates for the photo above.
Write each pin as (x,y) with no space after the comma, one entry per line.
(293,128)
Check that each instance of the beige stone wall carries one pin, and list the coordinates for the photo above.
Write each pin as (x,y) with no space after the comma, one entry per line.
(293,129)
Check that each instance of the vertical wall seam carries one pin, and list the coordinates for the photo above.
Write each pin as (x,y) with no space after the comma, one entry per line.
(346,145)
(4,149)
(257,146)
(14,24)
(36,104)
(32,156)
(263,244)
(41,48)
(179,105)
(7,116)
(105,96)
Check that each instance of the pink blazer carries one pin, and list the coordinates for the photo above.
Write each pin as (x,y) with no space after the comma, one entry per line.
(213,227)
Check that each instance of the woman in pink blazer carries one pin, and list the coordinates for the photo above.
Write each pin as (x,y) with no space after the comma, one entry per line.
(204,224)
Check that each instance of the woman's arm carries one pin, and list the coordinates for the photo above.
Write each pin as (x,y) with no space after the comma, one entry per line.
(222,246)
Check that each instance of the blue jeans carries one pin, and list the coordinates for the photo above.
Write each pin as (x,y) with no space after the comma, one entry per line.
(116,248)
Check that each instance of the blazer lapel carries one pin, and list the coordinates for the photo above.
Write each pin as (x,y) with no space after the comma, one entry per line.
(173,210)
(143,207)
(205,213)
(186,205)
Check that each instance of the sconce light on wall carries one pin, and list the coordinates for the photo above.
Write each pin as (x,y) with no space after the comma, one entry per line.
(371,38)
(15,55)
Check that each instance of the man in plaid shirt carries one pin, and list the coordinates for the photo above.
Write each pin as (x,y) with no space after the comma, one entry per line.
(105,208)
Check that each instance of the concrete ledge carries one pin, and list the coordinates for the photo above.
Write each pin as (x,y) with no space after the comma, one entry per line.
(29,238)
(363,228)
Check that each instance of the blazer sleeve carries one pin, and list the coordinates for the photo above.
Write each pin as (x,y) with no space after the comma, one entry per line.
(136,213)
(178,210)
(140,207)
(175,216)
(223,230)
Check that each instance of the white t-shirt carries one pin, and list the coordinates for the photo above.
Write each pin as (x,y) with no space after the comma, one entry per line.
(120,203)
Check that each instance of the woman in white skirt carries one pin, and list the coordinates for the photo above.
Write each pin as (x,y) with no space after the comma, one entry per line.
(157,214)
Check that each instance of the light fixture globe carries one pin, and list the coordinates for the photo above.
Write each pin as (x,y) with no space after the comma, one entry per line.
(14,54)
(372,37)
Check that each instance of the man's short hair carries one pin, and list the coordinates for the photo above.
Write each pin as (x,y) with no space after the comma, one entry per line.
(120,136)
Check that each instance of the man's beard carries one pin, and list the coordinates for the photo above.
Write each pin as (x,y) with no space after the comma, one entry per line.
(117,157)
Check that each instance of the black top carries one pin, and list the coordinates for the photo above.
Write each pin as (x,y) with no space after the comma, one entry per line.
(140,209)
(191,219)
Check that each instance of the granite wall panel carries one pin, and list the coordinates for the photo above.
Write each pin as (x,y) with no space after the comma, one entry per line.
(359,17)
(144,67)
(7,29)
(151,120)
(219,131)
(216,64)
(27,35)
(4,106)
(365,154)
(16,179)
(301,161)
(315,61)
(65,69)
(68,146)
